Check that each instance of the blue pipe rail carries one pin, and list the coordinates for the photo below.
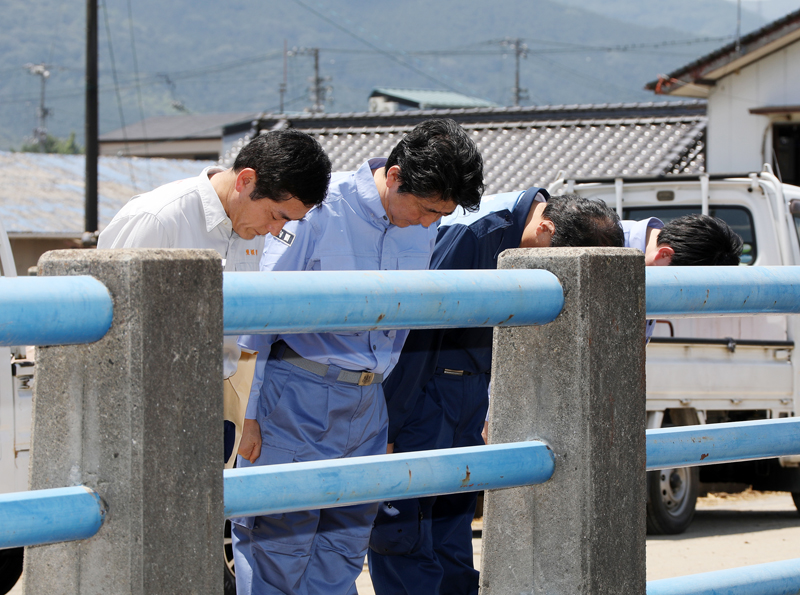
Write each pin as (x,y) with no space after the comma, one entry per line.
(690,446)
(326,301)
(53,310)
(773,578)
(49,516)
(683,292)
(72,310)
(253,491)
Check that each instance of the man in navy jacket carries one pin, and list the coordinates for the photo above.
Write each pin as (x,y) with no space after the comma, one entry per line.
(437,395)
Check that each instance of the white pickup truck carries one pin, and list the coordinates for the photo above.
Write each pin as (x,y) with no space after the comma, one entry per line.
(721,369)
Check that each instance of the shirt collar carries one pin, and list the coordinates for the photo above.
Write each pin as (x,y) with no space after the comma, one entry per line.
(369,199)
(519,215)
(212,206)
(637,231)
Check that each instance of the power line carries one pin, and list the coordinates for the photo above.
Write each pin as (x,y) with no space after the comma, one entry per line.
(138,91)
(374,47)
(116,88)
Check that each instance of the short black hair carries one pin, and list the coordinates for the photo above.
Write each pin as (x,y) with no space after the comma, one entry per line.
(438,158)
(701,240)
(287,163)
(581,222)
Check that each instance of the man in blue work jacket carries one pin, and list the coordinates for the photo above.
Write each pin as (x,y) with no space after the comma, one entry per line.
(319,396)
(437,394)
(689,240)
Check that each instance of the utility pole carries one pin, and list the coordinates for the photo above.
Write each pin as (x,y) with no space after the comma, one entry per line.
(40,134)
(319,92)
(738,26)
(520,51)
(282,89)
(90,200)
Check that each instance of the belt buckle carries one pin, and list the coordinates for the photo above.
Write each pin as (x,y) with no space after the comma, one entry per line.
(366,378)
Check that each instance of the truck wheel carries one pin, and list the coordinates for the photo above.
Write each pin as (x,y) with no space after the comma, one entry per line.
(10,568)
(796,498)
(671,499)
(230,571)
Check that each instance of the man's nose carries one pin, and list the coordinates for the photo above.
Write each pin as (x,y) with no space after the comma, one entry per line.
(429,219)
(276,226)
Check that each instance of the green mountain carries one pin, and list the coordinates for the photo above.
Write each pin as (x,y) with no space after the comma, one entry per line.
(209,57)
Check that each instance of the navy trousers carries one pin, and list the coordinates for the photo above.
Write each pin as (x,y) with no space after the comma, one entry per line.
(423,546)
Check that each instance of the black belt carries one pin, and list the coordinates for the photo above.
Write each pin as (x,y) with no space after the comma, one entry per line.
(283,352)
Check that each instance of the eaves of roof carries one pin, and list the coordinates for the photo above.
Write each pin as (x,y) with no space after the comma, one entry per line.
(695,79)
(465,116)
(172,128)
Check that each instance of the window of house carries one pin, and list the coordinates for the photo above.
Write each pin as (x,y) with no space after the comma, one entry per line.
(739,218)
(786,147)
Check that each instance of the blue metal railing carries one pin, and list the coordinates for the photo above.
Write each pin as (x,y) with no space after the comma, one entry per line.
(61,310)
(325,301)
(53,310)
(49,516)
(253,491)
(66,310)
(690,446)
(682,292)
(774,578)
(273,489)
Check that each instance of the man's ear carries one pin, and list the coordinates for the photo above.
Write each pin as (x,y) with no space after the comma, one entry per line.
(244,179)
(393,176)
(547,226)
(663,256)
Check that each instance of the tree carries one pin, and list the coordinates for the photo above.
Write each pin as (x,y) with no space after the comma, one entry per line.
(52,144)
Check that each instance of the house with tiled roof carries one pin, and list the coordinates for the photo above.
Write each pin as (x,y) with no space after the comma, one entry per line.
(186,136)
(753,91)
(524,146)
(393,100)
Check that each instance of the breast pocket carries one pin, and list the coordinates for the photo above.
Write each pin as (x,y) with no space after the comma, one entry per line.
(244,266)
(413,261)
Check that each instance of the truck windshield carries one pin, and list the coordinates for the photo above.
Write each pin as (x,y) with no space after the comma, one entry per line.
(738,218)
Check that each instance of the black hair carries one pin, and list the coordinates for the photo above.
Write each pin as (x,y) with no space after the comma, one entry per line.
(287,163)
(701,240)
(580,222)
(438,158)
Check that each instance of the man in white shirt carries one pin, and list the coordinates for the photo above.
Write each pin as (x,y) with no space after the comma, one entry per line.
(277,177)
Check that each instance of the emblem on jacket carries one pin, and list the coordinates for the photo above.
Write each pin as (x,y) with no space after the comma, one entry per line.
(285,237)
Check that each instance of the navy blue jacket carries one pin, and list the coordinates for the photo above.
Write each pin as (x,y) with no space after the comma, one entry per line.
(474,244)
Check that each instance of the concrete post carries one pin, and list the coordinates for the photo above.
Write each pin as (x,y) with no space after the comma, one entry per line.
(137,416)
(578,384)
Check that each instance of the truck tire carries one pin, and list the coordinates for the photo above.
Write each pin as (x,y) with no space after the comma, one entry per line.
(10,568)
(671,500)
(229,584)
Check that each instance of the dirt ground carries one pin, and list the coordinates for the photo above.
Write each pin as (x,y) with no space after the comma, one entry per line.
(729,530)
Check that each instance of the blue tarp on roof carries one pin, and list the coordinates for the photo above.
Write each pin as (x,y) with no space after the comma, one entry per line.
(44,193)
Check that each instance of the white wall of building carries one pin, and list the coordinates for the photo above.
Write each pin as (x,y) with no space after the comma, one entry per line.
(736,139)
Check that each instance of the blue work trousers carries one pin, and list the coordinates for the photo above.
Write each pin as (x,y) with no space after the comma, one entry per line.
(305,417)
(423,546)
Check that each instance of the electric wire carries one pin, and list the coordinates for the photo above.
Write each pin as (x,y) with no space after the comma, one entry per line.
(116,87)
(139,91)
